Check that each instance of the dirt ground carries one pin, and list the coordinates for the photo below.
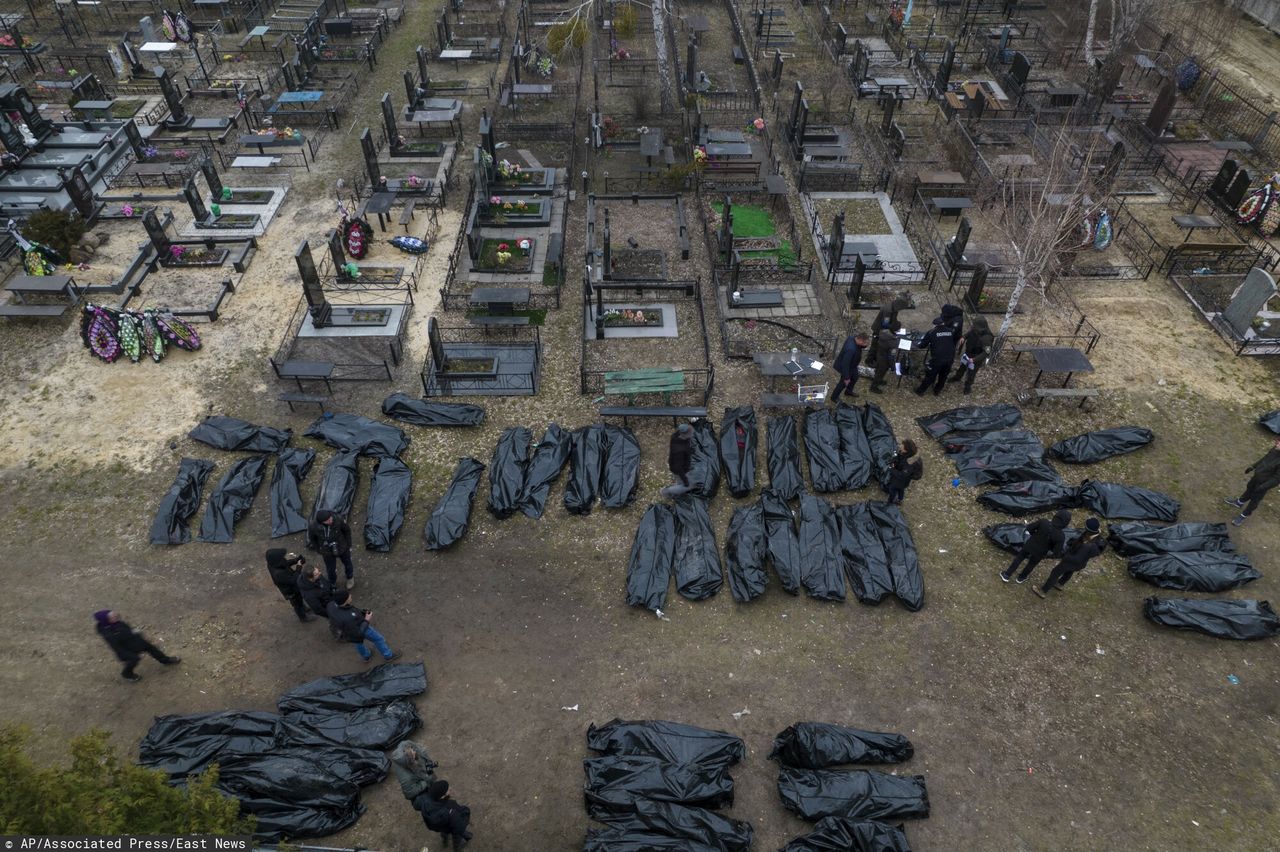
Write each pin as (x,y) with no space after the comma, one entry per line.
(1071,723)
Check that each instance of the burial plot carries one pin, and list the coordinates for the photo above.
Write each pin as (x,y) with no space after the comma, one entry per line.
(1249,298)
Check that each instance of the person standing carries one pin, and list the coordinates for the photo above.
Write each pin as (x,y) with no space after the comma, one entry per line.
(975,349)
(316,590)
(953,316)
(353,625)
(286,569)
(1044,537)
(680,460)
(847,365)
(886,320)
(128,644)
(330,535)
(1266,475)
(413,768)
(1074,558)
(903,470)
(885,351)
(440,813)
(940,341)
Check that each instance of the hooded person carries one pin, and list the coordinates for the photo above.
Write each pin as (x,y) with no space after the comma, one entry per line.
(128,644)
(904,469)
(975,349)
(329,534)
(285,568)
(315,589)
(1266,475)
(680,460)
(413,768)
(884,350)
(1044,537)
(953,316)
(440,813)
(1075,557)
(887,320)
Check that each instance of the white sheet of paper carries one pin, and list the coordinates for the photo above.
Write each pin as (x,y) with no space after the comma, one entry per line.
(817,365)
(897,368)
(904,343)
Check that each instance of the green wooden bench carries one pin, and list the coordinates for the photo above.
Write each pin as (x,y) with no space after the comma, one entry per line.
(631,383)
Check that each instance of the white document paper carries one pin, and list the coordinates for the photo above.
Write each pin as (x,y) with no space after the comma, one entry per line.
(817,365)
(904,344)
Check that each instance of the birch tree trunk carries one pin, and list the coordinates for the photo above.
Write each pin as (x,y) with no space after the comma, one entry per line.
(1088,33)
(1014,298)
(659,9)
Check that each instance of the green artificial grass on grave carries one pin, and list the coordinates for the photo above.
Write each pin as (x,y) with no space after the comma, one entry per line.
(752,221)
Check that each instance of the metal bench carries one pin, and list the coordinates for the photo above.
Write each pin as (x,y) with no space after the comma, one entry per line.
(1082,394)
(299,370)
(487,319)
(12,310)
(292,398)
(407,213)
(674,412)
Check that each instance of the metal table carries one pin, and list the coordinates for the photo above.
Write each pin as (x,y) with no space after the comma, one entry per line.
(1194,223)
(1061,360)
(776,365)
(499,301)
(379,204)
(94,109)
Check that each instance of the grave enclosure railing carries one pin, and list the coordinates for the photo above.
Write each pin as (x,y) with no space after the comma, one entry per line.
(436,380)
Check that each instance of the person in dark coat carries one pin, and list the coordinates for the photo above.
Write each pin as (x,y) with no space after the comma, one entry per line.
(940,342)
(975,349)
(285,569)
(316,590)
(128,644)
(1044,537)
(887,320)
(903,470)
(953,316)
(680,460)
(1075,557)
(1266,475)
(847,365)
(442,814)
(330,535)
(352,625)
(885,351)
(413,768)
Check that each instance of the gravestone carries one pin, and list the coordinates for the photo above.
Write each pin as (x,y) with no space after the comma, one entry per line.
(15,98)
(1003,46)
(442,33)
(977,105)
(842,39)
(81,195)
(803,127)
(156,233)
(410,91)
(435,343)
(897,142)
(607,247)
(424,77)
(861,61)
(1222,180)
(211,177)
(1115,161)
(486,136)
(835,243)
(724,239)
(195,202)
(470,233)
(777,67)
(147,28)
(1020,69)
(178,115)
(11,136)
(286,70)
(795,111)
(337,255)
(482,177)
(887,103)
(1158,118)
(370,159)
(1247,300)
(1237,191)
(131,58)
(955,248)
(389,122)
(691,63)
(943,78)
(977,284)
(135,138)
(88,88)
(317,305)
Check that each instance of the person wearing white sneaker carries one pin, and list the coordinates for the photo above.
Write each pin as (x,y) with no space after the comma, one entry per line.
(1266,475)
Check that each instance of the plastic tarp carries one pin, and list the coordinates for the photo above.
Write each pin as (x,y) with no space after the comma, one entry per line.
(1271,421)
(291,796)
(1222,619)
(292,466)
(388,500)
(1114,501)
(185,745)
(821,567)
(837,834)
(232,499)
(549,459)
(738,441)
(652,556)
(1030,498)
(228,433)
(855,451)
(584,469)
(343,693)
(378,727)
(674,742)
(745,549)
(180,502)
(452,515)
(881,441)
(356,434)
(781,540)
(1194,571)
(818,745)
(822,446)
(697,561)
(1011,537)
(616,781)
(904,564)
(507,470)
(866,565)
(627,839)
(700,826)
(785,478)
(422,412)
(338,484)
(984,418)
(1137,537)
(1000,457)
(1022,442)
(704,466)
(1103,444)
(853,793)
(620,467)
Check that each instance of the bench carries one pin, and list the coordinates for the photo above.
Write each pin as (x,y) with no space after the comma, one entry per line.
(299,370)
(738,56)
(674,412)
(1081,394)
(785,400)
(630,383)
(12,310)
(758,299)
(407,213)
(488,319)
(291,398)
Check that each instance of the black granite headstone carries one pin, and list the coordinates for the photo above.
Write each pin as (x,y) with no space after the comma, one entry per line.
(855,284)
(841,38)
(777,67)
(944,68)
(410,90)
(1237,191)
(1115,160)
(194,201)
(317,304)
(131,58)
(955,248)
(11,136)
(795,111)
(607,247)
(211,177)
(691,65)
(1158,118)
(835,243)
(156,233)
(289,83)
(976,285)
(1020,69)
(435,343)
(337,256)
(80,193)
(424,76)
(1222,180)
(370,158)
(135,138)
(389,121)
(888,103)
(178,116)
(486,136)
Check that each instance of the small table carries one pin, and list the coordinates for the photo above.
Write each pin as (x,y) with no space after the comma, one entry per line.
(22,286)
(94,109)
(866,250)
(950,206)
(940,178)
(302,97)
(830,153)
(243,162)
(1194,223)
(299,370)
(776,187)
(698,24)
(728,150)
(270,140)
(379,204)
(258,32)
(500,301)
(1232,145)
(456,55)
(894,83)
(1063,96)
(775,365)
(1061,360)
(651,145)
(1145,63)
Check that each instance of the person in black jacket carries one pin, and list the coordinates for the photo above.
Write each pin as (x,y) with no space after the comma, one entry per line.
(353,626)
(940,341)
(953,316)
(1266,475)
(285,569)
(885,351)
(680,460)
(887,320)
(442,814)
(128,644)
(1043,538)
(903,470)
(847,365)
(1075,557)
(316,590)
(975,348)
(330,535)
